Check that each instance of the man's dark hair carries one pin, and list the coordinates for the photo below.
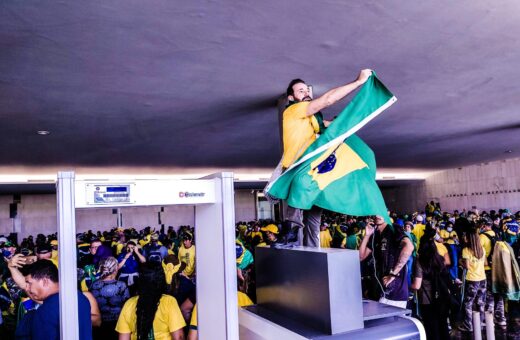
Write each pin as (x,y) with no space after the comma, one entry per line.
(42,269)
(290,91)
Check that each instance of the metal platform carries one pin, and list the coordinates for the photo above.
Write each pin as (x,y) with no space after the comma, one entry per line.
(313,293)
(380,322)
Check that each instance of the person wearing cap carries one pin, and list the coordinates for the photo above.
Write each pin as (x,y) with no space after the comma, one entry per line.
(271,234)
(301,124)
(44,252)
(187,254)
(418,229)
(9,249)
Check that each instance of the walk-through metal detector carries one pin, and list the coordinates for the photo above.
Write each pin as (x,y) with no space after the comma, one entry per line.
(213,199)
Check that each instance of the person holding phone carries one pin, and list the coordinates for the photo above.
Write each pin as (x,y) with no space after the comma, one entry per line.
(390,248)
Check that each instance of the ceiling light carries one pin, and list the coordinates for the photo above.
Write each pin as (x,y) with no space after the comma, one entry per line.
(508,151)
(43,132)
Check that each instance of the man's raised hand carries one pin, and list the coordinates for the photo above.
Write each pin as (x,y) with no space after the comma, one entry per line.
(364,75)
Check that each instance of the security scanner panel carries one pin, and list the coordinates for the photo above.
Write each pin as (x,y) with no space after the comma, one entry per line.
(143,192)
(213,201)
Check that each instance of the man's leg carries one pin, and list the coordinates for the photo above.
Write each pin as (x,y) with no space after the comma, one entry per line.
(295,218)
(311,230)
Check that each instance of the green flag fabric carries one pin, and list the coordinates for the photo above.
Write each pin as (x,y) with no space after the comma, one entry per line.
(337,172)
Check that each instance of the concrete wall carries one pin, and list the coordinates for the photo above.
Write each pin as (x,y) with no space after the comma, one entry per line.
(486,186)
(37,214)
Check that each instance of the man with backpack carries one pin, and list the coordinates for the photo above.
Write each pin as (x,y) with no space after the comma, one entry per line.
(154,252)
(390,249)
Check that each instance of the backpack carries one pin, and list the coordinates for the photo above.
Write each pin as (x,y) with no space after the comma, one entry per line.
(493,240)
(444,291)
(154,254)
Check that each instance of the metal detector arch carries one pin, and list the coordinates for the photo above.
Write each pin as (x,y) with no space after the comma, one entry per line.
(213,197)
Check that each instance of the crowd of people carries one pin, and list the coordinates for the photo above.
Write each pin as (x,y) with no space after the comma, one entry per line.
(142,284)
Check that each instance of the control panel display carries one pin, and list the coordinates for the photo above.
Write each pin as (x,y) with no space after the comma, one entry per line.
(110,194)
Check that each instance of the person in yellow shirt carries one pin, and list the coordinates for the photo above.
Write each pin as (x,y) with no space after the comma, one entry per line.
(418,229)
(187,277)
(301,124)
(442,250)
(325,237)
(243,301)
(54,246)
(187,254)
(151,314)
(451,241)
(474,261)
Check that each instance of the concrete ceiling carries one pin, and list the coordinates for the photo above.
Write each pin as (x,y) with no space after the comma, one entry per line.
(194,83)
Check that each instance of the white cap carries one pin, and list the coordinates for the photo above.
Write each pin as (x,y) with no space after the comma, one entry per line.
(3,239)
(419,218)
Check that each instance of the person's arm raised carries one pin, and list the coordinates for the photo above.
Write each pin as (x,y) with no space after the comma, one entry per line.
(338,93)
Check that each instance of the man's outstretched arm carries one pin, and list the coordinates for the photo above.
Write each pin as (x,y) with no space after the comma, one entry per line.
(338,93)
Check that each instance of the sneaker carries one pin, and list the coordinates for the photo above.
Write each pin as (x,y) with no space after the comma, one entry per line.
(292,235)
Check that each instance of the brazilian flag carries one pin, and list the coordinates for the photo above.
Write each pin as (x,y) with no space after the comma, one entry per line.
(338,171)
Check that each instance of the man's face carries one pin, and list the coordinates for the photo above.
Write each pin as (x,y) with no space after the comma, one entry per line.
(270,236)
(378,220)
(94,247)
(301,93)
(37,288)
(130,248)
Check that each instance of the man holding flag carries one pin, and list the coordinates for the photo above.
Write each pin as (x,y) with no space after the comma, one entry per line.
(337,170)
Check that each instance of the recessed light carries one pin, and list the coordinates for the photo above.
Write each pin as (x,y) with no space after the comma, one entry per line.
(508,151)
(43,132)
